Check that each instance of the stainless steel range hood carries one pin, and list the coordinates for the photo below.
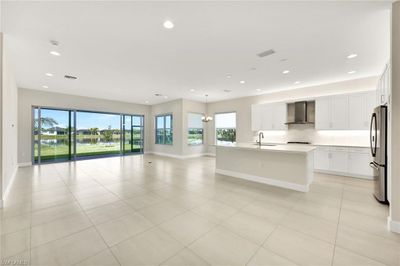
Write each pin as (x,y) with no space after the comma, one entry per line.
(301,112)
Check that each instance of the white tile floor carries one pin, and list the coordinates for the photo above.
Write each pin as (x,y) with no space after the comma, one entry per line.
(127,211)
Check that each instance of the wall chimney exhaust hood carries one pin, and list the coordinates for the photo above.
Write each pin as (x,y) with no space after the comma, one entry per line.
(301,113)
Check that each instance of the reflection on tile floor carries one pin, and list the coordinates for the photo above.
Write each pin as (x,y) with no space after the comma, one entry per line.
(126,211)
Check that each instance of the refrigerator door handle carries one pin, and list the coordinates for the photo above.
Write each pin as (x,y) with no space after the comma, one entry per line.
(372,137)
(373,165)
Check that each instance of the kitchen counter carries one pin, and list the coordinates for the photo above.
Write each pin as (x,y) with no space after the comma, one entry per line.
(288,148)
(288,166)
(341,145)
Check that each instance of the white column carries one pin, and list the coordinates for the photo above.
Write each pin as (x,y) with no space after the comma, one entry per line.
(394,219)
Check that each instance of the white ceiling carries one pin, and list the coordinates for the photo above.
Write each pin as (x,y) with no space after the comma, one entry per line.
(120,50)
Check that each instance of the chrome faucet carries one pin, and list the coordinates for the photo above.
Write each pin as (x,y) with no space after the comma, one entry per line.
(260,136)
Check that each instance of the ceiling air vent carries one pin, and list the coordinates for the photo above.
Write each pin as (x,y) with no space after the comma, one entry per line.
(266,53)
(70,77)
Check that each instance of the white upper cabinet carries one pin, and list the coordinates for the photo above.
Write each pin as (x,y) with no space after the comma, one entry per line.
(279,116)
(361,106)
(343,112)
(383,89)
(340,112)
(323,113)
(256,117)
(268,116)
(357,111)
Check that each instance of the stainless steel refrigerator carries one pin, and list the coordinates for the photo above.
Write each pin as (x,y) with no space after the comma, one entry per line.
(378,142)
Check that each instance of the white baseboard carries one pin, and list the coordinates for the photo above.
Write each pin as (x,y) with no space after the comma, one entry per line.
(8,188)
(177,156)
(343,174)
(25,164)
(393,226)
(265,180)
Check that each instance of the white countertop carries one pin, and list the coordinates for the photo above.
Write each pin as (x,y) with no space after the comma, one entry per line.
(324,144)
(289,148)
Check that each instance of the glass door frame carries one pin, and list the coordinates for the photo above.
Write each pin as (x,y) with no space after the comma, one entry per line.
(72,133)
(70,113)
(123,125)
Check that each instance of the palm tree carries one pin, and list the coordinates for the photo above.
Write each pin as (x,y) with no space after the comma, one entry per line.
(45,122)
(94,131)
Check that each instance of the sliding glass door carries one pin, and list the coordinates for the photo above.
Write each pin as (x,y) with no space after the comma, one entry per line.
(97,134)
(133,128)
(62,135)
(52,135)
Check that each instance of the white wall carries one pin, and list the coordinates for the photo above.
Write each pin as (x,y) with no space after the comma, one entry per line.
(174,108)
(9,114)
(29,98)
(242,106)
(394,120)
(179,110)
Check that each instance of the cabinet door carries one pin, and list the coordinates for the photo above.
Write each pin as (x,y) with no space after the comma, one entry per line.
(323,113)
(266,117)
(338,161)
(321,159)
(371,104)
(340,113)
(279,116)
(256,117)
(359,164)
(357,111)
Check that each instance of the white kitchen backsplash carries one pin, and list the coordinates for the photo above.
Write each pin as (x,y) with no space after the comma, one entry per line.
(307,133)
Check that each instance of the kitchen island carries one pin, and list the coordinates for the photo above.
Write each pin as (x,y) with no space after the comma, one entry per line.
(288,166)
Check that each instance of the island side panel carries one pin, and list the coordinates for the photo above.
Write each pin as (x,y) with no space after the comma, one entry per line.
(282,169)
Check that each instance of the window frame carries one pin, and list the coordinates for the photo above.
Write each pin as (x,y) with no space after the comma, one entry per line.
(164,116)
(189,128)
(215,125)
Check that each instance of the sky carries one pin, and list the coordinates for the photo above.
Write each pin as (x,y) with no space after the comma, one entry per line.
(85,120)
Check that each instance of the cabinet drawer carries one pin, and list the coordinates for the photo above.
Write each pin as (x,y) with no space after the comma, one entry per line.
(322,148)
(360,150)
(342,149)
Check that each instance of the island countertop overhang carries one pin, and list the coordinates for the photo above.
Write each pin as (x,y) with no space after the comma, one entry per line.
(286,148)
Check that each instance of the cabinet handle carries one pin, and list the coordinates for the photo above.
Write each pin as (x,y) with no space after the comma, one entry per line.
(382,98)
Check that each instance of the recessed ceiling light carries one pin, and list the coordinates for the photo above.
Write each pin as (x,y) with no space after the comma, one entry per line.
(146,101)
(45,87)
(55,53)
(258,90)
(350,56)
(192,90)
(242,82)
(351,72)
(168,24)
(286,72)
(165,97)
(228,76)
(49,74)
(297,82)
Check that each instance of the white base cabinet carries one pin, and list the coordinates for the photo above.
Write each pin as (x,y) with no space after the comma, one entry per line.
(346,161)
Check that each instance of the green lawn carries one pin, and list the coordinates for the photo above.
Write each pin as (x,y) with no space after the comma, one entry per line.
(60,151)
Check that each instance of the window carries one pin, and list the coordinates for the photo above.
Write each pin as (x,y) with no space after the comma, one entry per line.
(225,128)
(164,129)
(195,129)
(67,135)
